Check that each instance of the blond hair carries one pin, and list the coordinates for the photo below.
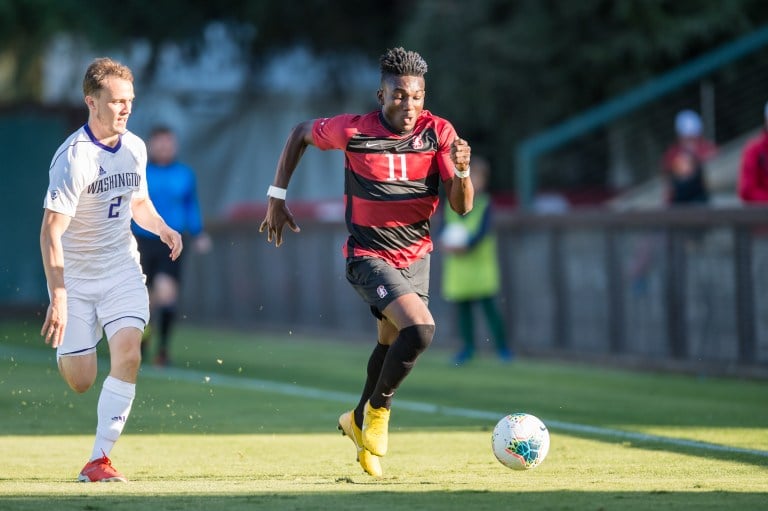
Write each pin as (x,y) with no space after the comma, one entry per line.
(99,70)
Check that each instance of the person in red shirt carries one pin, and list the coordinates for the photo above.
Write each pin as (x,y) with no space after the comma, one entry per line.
(753,176)
(395,159)
(683,162)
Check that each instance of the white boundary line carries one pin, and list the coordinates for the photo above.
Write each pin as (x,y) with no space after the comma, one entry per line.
(237,382)
(287,389)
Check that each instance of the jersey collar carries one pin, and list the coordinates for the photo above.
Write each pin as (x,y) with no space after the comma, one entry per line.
(105,147)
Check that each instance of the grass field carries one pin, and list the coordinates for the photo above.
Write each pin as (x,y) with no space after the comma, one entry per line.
(248,421)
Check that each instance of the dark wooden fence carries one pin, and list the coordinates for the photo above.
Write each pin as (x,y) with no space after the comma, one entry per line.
(684,288)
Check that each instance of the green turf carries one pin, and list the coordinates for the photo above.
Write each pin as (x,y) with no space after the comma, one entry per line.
(210,437)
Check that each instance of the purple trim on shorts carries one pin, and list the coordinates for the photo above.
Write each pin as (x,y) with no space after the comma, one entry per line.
(125,317)
(80,351)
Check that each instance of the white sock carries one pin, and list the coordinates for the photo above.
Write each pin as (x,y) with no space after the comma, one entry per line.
(112,411)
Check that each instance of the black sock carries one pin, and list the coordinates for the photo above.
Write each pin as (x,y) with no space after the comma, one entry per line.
(167,317)
(375,361)
(400,359)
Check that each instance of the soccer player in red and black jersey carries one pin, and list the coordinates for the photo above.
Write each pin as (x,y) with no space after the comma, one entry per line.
(395,159)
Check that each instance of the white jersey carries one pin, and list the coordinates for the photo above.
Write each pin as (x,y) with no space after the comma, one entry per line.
(94,184)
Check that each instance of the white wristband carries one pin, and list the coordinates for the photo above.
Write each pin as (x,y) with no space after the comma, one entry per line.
(461,174)
(277,193)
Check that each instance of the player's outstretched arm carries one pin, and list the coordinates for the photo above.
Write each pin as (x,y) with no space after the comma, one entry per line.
(145,214)
(461,193)
(278,214)
(54,225)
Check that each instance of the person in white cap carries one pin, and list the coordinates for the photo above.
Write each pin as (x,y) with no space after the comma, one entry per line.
(683,162)
(753,176)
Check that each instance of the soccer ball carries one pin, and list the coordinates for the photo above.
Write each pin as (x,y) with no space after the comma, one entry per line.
(520,441)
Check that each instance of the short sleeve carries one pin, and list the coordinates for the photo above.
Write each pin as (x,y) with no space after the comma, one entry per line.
(334,132)
(141,169)
(67,179)
(445,137)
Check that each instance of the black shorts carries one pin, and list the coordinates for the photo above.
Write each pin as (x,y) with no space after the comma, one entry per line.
(155,258)
(379,283)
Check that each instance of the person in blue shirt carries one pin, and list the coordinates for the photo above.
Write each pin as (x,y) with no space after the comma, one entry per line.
(173,189)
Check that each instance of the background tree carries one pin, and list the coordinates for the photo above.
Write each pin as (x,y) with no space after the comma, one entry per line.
(501,70)
(506,70)
(324,26)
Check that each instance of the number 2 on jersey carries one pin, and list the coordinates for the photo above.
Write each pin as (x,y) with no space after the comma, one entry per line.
(114,206)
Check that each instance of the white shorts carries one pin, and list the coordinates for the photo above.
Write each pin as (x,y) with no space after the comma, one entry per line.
(102,305)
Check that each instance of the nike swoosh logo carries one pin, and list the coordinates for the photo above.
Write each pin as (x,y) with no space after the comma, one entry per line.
(371,144)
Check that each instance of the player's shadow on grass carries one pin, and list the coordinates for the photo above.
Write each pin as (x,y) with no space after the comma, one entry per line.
(727,453)
(461,500)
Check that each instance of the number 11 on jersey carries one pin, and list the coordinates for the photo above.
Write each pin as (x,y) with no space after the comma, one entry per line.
(403,172)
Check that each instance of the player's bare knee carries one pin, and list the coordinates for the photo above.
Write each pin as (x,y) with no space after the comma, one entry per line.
(125,350)
(78,371)
(78,384)
(127,361)
(79,388)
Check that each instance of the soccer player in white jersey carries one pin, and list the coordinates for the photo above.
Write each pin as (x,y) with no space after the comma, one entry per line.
(95,282)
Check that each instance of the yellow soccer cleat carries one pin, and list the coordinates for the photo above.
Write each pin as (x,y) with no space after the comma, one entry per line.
(375,429)
(368,461)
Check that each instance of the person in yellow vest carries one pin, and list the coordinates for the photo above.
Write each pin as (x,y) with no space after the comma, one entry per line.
(470,276)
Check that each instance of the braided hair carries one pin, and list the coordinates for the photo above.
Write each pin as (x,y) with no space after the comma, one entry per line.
(399,62)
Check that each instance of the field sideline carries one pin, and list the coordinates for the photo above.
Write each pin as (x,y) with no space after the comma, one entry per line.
(247,421)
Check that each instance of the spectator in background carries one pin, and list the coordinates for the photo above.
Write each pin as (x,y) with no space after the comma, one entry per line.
(753,176)
(683,162)
(173,190)
(471,267)
(683,166)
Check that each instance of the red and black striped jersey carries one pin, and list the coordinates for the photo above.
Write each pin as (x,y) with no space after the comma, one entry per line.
(391,182)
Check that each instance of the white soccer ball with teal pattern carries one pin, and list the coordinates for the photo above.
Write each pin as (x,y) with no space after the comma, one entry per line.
(520,441)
